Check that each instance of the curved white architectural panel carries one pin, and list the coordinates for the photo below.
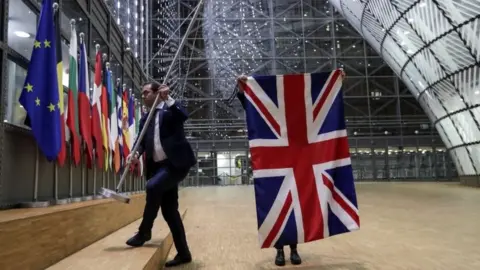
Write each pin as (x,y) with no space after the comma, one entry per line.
(434,46)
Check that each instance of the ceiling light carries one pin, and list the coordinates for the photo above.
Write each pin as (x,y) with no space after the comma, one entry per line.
(22,34)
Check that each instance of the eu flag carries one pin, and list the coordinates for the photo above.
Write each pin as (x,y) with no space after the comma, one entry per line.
(40,96)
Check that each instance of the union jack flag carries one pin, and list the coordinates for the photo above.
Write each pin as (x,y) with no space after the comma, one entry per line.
(303,178)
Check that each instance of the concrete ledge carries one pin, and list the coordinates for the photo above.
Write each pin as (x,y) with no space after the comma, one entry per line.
(470,181)
(111,252)
(37,238)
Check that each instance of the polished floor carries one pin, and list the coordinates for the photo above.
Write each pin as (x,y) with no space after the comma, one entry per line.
(403,226)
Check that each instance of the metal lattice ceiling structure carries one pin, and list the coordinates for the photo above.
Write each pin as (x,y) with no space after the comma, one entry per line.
(288,36)
(275,37)
(434,47)
(132,17)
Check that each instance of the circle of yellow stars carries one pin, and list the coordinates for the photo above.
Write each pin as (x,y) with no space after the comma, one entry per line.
(29,88)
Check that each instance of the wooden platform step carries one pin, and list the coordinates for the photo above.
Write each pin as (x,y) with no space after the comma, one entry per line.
(111,252)
(37,238)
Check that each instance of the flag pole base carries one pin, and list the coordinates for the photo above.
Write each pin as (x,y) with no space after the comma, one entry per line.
(60,202)
(115,195)
(34,204)
(76,199)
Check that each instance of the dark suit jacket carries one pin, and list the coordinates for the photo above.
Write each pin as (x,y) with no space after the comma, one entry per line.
(172,137)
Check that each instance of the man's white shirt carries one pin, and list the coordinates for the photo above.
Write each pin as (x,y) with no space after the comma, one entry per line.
(159,153)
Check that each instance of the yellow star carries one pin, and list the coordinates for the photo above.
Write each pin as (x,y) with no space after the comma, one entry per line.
(29,87)
(47,43)
(37,101)
(58,104)
(51,107)
(37,44)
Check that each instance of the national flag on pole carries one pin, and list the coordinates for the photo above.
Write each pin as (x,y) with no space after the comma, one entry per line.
(138,116)
(62,155)
(105,115)
(119,98)
(131,122)
(84,106)
(40,96)
(113,126)
(97,109)
(303,176)
(125,125)
(72,115)
(131,119)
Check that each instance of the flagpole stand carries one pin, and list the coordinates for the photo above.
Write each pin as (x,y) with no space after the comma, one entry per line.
(95,196)
(35,203)
(70,175)
(114,179)
(56,200)
(103,181)
(70,178)
(135,178)
(135,184)
(131,182)
(83,174)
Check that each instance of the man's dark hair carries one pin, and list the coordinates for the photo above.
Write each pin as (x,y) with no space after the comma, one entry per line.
(153,85)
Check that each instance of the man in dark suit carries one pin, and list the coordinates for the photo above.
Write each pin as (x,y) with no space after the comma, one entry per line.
(169,158)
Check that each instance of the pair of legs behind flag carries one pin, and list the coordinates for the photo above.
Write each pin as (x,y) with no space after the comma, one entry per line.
(294,256)
(162,191)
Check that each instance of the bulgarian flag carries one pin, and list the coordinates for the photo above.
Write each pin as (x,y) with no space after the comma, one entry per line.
(72,120)
(84,106)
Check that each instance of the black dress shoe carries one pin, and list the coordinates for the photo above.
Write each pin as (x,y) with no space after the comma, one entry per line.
(280,258)
(295,258)
(139,239)
(179,260)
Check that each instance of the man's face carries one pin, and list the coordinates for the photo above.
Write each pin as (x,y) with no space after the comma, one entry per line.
(148,95)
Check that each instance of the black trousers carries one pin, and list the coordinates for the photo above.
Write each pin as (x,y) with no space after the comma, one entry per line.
(278,246)
(162,191)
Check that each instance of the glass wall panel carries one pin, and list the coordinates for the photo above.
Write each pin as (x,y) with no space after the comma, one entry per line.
(22,28)
(14,112)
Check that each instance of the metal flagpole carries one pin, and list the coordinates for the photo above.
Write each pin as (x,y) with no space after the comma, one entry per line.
(35,202)
(95,196)
(70,178)
(35,181)
(114,194)
(82,172)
